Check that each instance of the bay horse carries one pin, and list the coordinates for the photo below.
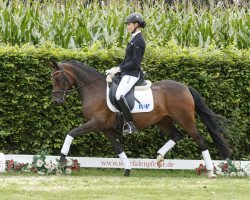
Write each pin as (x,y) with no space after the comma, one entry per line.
(174,102)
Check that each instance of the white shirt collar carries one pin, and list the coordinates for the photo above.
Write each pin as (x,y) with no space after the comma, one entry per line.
(134,34)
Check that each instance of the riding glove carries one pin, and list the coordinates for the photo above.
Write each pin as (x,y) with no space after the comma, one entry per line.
(113,70)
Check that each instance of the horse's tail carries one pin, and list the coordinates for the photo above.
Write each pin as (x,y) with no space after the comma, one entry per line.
(210,119)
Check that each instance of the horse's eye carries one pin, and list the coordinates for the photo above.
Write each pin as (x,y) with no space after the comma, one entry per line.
(57,79)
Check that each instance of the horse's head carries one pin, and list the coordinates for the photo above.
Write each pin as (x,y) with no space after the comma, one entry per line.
(61,82)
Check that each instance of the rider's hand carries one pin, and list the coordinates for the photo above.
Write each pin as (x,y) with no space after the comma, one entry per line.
(113,70)
(109,78)
(107,72)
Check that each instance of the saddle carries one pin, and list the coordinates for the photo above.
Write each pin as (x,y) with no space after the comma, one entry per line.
(130,96)
(139,99)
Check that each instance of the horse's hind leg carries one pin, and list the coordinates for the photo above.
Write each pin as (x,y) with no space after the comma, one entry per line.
(167,125)
(119,150)
(187,122)
(194,133)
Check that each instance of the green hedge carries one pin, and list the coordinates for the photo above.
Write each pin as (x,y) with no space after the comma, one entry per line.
(30,122)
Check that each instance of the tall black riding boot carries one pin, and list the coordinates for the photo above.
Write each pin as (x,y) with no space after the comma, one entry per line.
(129,127)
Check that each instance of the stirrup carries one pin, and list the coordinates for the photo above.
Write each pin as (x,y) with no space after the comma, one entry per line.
(129,128)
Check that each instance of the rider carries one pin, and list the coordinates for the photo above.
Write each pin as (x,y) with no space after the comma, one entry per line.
(130,68)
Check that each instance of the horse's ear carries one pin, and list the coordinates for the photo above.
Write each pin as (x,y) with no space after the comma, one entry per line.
(54,64)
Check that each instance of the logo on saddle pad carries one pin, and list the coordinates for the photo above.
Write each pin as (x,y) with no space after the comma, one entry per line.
(139,98)
(145,106)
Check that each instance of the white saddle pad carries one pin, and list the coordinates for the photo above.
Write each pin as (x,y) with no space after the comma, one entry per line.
(145,97)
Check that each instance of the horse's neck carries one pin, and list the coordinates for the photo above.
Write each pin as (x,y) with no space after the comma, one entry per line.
(95,85)
(89,84)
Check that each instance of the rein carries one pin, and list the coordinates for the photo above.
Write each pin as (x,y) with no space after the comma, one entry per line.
(103,76)
(66,82)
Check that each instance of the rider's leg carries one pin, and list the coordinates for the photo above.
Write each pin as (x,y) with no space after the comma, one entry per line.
(124,87)
(129,126)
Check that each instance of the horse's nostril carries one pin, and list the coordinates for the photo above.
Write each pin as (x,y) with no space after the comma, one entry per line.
(58,101)
(55,101)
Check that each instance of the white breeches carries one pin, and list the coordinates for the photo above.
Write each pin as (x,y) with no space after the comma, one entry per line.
(125,86)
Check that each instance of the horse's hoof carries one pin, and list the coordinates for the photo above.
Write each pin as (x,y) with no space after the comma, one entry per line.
(210,174)
(63,160)
(127,172)
(160,160)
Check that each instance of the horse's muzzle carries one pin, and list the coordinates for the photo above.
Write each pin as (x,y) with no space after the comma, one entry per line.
(58,101)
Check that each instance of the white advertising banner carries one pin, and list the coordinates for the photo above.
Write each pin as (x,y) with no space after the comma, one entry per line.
(136,163)
(2,162)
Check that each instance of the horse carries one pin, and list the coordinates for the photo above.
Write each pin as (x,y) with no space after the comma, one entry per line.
(174,103)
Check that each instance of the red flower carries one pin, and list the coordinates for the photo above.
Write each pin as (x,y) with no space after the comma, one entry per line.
(201,169)
(224,167)
(9,165)
(76,165)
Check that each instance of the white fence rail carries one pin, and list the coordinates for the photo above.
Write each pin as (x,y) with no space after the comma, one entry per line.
(136,163)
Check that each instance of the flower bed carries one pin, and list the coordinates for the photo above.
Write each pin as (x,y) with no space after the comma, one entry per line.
(228,168)
(41,167)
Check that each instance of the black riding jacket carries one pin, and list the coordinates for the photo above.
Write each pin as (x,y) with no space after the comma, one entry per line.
(131,64)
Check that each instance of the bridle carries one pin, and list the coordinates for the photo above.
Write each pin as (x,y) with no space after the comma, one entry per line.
(64,91)
(66,83)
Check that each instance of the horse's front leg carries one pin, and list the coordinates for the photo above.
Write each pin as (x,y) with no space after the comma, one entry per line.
(112,136)
(85,128)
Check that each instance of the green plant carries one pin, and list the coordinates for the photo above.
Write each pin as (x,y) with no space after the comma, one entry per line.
(40,166)
(233,168)
(75,25)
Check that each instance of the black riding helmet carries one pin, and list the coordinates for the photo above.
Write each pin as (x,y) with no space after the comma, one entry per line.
(135,17)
